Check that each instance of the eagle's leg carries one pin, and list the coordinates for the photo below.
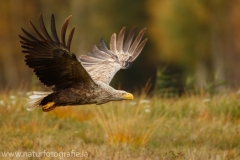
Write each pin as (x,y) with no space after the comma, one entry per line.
(48,107)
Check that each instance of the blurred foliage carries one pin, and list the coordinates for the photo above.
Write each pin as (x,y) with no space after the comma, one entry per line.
(167,83)
(200,38)
(170,83)
(195,39)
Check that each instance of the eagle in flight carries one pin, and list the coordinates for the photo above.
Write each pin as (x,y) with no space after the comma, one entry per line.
(77,81)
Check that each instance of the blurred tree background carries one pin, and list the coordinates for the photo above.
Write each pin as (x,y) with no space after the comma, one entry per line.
(196,42)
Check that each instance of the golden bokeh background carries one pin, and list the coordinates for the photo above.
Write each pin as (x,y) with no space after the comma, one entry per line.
(199,40)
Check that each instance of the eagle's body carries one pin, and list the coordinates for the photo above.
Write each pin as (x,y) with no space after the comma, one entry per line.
(77,81)
(80,95)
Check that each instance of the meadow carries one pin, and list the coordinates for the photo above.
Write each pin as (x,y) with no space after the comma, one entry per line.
(195,126)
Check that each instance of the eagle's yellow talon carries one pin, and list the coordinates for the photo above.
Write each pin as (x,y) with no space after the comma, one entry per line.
(48,107)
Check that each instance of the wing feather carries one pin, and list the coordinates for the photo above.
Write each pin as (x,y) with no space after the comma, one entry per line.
(53,29)
(137,41)
(29,35)
(129,40)
(101,54)
(104,48)
(69,41)
(88,59)
(113,46)
(138,50)
(63,30)
(51,60)
(102,64)
(43,28)
(36,31)
(120,39)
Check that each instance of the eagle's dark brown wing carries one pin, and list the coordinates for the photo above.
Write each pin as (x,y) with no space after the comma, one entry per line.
(51,58)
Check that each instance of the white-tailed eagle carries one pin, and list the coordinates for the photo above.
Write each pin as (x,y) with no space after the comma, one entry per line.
(77,81)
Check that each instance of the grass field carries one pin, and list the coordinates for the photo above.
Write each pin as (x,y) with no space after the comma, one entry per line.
(196,127)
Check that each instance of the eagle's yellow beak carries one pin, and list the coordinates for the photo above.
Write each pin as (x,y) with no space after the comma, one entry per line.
(128,96)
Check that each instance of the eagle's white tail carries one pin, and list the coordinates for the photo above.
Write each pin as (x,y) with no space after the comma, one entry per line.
(36,99)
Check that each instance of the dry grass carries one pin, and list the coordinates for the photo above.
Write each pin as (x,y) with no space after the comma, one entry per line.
(190,127)
(127,123)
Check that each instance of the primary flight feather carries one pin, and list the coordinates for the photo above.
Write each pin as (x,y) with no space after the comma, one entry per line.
(77,81)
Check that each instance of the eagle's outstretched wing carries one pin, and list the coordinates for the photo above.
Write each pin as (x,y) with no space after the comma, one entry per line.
(102,64)
(51,58)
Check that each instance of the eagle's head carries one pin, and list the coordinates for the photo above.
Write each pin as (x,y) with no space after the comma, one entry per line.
(122,95)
